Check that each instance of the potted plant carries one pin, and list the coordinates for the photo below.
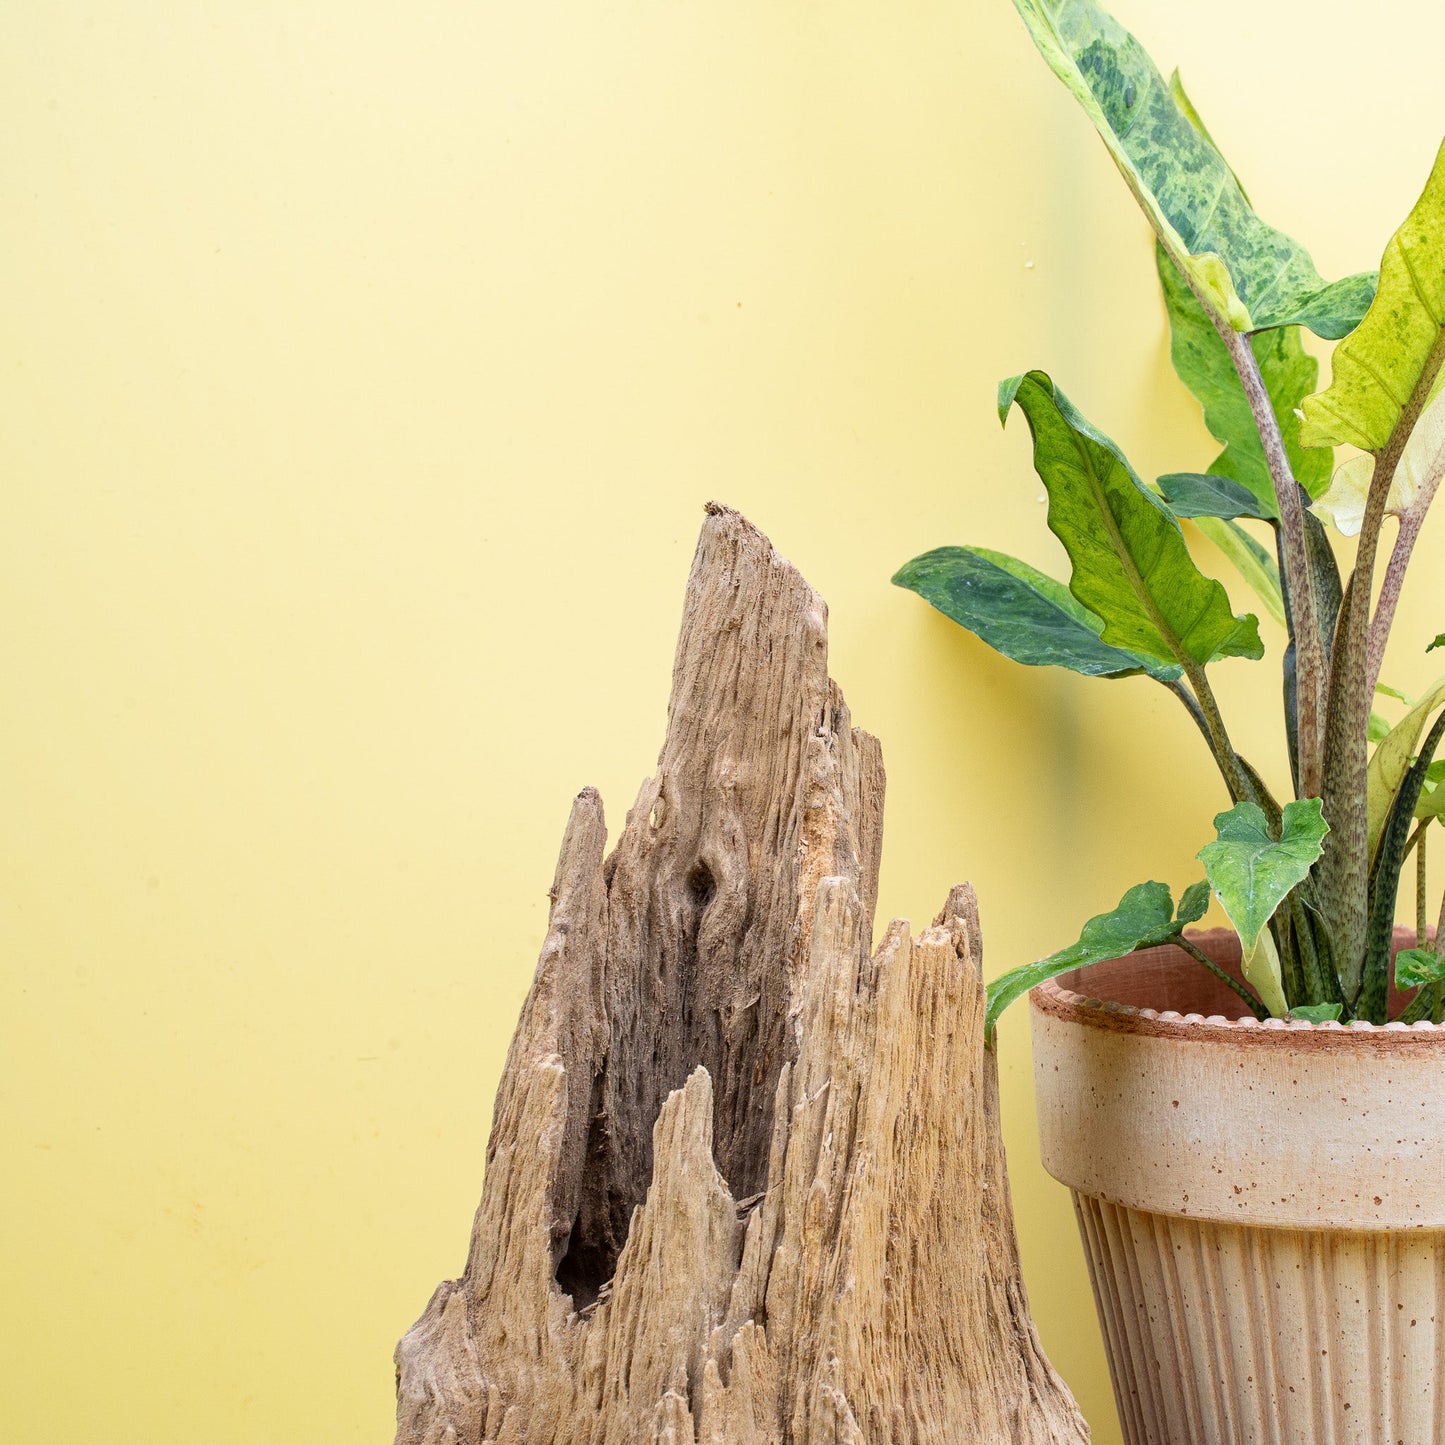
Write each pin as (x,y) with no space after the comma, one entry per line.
(1249,1119)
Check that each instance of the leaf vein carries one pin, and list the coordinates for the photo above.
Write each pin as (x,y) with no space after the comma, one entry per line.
(1415,283)
(1366,364)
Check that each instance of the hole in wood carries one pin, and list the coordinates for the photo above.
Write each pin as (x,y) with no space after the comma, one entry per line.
(584,1269)
(675,1025)
(701,884)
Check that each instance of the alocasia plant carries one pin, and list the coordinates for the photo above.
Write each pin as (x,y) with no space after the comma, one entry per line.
(1310,886)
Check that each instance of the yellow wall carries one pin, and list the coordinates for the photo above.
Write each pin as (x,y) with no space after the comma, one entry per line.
(364,370)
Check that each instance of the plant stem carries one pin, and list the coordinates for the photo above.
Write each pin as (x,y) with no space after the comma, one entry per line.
(1243,783)
(1319,986)
(1260,793)
(1362,579)
(1213,720)
(1421,902)
(1424,1004)
(1344,868)
(1390,590)
(1309,644)
(1214,734)
(1410,524)
(1255,1006)
(1287,943)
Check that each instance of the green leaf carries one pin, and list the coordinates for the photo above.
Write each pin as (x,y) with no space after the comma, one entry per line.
(1391,761)
(1385,690)
(1251,873)
(1379,728)
(1377,370)
(1188,111)
(1251,275)
(1202,363)
(1432,795)
(1193,903)
(1250,560)
(1144,916)
(1131,567)
(1020,612)
(1317,1013)
(1416,966)
(1438,642)
(1207,494)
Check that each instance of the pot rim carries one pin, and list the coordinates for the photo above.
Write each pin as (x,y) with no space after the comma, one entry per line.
(1357,1036)
(1276,1124)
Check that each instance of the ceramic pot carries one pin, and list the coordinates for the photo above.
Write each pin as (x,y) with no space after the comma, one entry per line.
(1262,1205)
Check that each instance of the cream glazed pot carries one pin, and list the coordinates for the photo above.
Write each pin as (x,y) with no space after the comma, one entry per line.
(1262,1205)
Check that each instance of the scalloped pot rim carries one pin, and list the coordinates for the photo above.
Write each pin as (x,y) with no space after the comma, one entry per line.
(1279,1123)
(1052,998)
(1154,969)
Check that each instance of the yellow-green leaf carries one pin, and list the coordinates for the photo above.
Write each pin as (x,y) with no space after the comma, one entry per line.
(1261,968)
(1432,801)
(1401,339)
(1392,757)
(1251,561)
(1132,569)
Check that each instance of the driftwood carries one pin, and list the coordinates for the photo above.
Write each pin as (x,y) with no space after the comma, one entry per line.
(744,1182)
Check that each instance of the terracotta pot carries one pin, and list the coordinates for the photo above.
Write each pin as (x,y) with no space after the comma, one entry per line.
(1262,1205)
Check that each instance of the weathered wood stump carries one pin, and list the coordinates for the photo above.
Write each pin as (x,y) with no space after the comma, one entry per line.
(745,1181)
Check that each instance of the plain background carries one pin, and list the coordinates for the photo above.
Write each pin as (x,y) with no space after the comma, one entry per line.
(365,369)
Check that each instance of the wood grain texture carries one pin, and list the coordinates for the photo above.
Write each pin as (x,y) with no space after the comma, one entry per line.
(745,1182)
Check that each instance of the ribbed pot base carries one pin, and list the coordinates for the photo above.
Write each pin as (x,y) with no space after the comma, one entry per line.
(1219,1334)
